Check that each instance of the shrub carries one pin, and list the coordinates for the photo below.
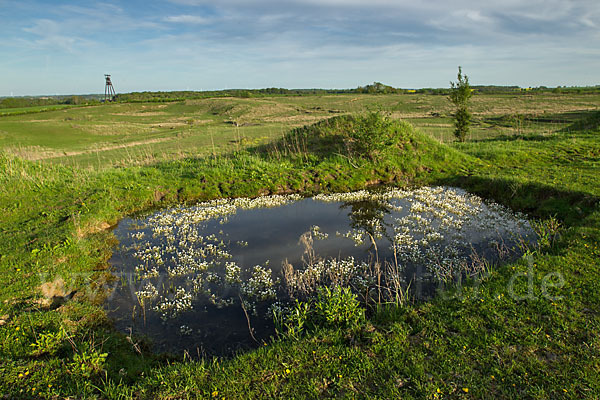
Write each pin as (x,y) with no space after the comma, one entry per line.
(371,135)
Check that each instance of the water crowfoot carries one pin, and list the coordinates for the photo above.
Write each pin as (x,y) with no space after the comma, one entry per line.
(197,258)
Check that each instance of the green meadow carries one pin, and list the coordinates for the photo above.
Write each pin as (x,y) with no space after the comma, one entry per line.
(102,136)
(525,329)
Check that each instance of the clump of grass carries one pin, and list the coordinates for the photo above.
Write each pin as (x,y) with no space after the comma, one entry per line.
(335,308)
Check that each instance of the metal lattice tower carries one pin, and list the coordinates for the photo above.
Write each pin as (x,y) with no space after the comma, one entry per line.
(109,90)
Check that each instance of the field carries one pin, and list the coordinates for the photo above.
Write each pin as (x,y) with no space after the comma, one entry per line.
(528,329)
(103,136)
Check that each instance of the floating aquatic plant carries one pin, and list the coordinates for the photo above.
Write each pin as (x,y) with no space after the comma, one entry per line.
(179,263)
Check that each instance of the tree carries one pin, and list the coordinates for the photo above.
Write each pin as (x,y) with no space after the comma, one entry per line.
(460,93)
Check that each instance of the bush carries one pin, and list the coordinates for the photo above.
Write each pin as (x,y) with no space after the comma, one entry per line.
(371,135)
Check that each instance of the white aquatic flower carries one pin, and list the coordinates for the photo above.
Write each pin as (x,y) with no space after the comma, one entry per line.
(233,273)
(220,302)
(145,272)
(315,230)
(138,235)
(147,292)
(260,285)
(439,220)
(327,272)
(185,330)
(212,277)
(356,235)
(172,307)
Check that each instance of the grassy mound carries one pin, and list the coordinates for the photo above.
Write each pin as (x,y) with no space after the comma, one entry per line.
(370,139)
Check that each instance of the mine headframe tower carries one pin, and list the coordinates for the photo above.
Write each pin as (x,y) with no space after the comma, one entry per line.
(109,90)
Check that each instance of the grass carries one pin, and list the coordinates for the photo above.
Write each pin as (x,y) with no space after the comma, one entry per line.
(32,110)
(528,330)
(123,134)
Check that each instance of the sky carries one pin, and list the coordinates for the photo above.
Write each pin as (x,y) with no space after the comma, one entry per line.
(66,47)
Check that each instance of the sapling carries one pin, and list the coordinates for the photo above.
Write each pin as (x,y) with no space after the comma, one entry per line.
(460,94)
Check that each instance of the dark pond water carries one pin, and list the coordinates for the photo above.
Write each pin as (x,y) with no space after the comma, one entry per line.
(184,272)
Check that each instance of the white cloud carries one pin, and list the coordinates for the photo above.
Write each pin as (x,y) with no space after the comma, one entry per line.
(103,17)
(50,35)
(187,19)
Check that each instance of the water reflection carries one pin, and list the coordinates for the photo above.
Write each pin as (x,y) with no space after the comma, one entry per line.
(369,216)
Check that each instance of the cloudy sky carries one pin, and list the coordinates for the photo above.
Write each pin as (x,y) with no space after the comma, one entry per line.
(65,47)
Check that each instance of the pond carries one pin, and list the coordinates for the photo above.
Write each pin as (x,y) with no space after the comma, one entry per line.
(198,278)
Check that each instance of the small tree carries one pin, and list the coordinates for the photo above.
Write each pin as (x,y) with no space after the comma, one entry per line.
(460,93)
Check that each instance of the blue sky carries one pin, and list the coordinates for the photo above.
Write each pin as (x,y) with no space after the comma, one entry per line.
(65,47)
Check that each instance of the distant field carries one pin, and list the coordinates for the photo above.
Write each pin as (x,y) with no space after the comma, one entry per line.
(123,134)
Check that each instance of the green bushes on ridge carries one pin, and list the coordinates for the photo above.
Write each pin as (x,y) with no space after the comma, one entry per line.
(369,138)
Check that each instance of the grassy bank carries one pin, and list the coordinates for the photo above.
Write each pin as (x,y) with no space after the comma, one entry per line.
(504,337)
